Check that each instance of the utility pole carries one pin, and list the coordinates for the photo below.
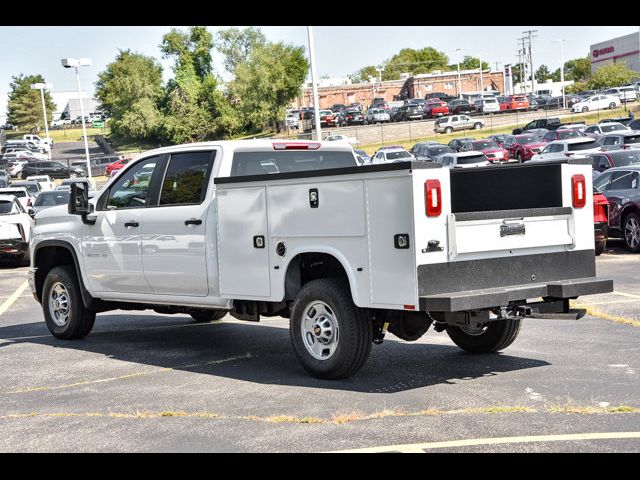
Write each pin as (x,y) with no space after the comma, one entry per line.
(523,71)
(530,36)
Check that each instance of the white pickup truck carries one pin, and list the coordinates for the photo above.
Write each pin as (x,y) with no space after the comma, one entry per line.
(296,229)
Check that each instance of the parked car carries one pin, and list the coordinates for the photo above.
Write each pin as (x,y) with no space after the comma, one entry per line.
(395,114)
(429,151)
(117,165)
(21,193)
(602,128)
(356,105)
(458,106)
(625,94)
(487,105)
(467,159)
(600,221)
(32,187)
(44,180)
(342,138)
(494,152)
(328,118)
(391,154)
(457,122)
(411,111)
(362,156)
(40,141)
(552,103)
(621,140)
(603,161)
(351,117)
(53,169)
(15,166)
(457,143)
(435,107)
(15,229)
(336,107)
(567,148)
(377,115)
(621,186)
(596,102)
(523,147)
(499,138)
(540,123)
(51,198)
(634,124)
(517,102)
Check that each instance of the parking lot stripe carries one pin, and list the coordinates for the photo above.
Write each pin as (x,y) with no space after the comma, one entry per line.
(626,294)
(421,447)
(596,312)
(14,296)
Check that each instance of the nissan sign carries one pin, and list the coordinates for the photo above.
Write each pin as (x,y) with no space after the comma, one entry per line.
(602,51)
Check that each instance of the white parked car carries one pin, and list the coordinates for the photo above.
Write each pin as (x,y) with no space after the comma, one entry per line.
(44,180)
(602,128)
(44,142)
(342,138)
(568,148)
(21,193)
(472,158)
(14,167)
(15,229)
(596,102)
(625,94)
(377,115)
(488,105)
(395,154)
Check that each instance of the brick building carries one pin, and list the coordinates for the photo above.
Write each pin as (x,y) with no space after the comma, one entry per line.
(416,86)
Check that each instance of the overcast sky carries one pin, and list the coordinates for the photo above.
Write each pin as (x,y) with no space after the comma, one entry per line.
(339,50)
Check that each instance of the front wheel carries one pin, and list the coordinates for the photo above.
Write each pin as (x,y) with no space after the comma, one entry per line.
(477,126)
(585,109)
(204,316)
(64,312)
(612,105)
(448,130)
(487,338)
(631,231)
(600,246)
(331,336)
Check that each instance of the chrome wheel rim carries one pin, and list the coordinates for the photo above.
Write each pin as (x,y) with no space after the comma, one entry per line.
(320,330)
(59,303)
(632,232)
(474,330)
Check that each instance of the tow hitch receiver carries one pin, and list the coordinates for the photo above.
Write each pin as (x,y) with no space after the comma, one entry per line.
(550,310)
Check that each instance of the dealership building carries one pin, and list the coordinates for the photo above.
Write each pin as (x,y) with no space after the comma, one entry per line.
(621,49)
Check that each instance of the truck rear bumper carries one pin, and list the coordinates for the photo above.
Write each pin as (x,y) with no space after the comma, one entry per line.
(502,296)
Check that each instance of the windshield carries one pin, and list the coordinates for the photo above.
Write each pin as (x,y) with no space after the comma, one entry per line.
(47,199)
(15,193)
(8,208)
(629,139)
(398,155)
(527,140)
(612,127)
(31,187)
(470,159)
(481,144)
(435,151)
(564,134)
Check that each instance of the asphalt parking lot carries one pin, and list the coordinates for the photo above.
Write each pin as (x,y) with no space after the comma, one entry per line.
(148,382)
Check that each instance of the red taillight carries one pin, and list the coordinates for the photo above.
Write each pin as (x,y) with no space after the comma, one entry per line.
(579,191)
(433,198)
(600,208)
(295,146)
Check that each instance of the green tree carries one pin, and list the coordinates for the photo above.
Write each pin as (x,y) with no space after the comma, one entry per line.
(25,105)
(266,82)
(612,75)
(129,90)
(542,73)
(578,69)
(471,63)
(364,73)
(424,60)
(237,45)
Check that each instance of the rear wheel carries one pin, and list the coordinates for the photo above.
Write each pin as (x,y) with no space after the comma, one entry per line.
(600,246)
(612,105)
(585,109)
(64,312)
(203,316)
(331,336)
(448,130)
(477,126)
(487,338)
(631,232)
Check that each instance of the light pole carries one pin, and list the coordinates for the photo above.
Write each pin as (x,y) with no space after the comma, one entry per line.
(75,63)
(481,84)
(42,87)
(561,42)
(316,102)
(459,82)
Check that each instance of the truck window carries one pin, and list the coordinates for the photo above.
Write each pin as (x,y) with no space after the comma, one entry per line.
(186,179)
(264,163)
(130,191)
(623,181)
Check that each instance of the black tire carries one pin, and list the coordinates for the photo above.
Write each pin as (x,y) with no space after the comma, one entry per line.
(477,126)
(612,105)
(600,246)
(497,335)
(80,320)
(204,316)
(629,227)
(585,109)
(448,130)
(519,157)
(355,331)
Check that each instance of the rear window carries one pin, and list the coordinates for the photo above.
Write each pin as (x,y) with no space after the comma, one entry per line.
(31,187)
(564,134)
(15,193)
(631,139)
(527,140)
(7,208)
(520,99)
(398,155)
(263,163)
(49,199)
(612,127)
(581,146)
(471,159)
(435,151)
(484,144)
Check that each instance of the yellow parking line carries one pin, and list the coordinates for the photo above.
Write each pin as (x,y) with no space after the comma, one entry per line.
(14,296)
(421,447)
(623,294)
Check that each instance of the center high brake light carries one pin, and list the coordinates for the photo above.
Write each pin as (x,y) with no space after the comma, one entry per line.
(578,191)
(295,146)
(432,198)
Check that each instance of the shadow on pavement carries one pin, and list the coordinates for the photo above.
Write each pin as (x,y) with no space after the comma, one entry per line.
(393,367)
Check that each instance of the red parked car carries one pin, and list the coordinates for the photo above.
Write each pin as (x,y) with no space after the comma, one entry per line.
(600,220)
(494,152)
(518,102)
(117,165)
(523,147)
(434,107)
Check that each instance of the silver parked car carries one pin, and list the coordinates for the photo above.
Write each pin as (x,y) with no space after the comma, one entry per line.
(377,115)
(457,122)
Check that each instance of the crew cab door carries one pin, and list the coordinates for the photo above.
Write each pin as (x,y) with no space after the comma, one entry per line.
(111,247)
(174,250)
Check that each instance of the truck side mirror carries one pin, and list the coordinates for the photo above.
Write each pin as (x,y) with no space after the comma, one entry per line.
(79,199)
